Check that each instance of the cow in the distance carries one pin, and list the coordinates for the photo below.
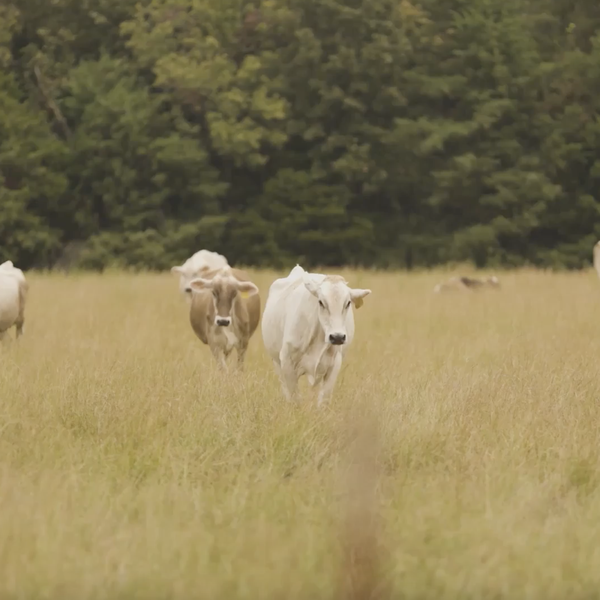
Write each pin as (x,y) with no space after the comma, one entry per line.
(13,295)
(224,312)
(307,327)
(467,284)
(197,265)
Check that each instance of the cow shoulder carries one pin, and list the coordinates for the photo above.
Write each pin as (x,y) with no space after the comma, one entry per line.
(201,310)
(299,311)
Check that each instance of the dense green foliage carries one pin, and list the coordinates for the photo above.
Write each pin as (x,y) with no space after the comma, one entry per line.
(373,132)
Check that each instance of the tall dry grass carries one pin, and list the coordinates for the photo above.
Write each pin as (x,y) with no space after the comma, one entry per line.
(129,468)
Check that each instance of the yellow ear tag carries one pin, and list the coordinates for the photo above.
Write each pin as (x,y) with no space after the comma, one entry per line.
(244,294)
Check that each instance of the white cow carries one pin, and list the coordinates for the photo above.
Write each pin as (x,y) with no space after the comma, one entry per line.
(13,294)
(199,263)
(307,326)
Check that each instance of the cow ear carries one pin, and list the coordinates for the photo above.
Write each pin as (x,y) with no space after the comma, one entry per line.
(176,270)
(200,284)
(357,296)
(310,284)
(247,288)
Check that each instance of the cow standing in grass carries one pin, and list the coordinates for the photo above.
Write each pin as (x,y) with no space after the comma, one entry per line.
(224,312)
(13,295)
(307,327)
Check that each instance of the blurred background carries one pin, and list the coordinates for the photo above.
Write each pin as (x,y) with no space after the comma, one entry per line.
(371,133)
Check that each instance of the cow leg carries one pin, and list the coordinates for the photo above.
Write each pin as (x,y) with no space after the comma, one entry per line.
(329,380)
(282,381)
(226,352)
(277,367)
(241,354)
(20,325)
(278,372)
(289,377)
(219,357)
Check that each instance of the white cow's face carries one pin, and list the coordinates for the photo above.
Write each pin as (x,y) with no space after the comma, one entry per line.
(335,299)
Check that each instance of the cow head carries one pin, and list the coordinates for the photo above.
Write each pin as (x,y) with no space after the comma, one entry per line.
(225,290)
(335,299)
(186,276)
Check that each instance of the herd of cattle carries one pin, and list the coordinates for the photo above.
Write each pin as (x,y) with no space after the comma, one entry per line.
(307,323)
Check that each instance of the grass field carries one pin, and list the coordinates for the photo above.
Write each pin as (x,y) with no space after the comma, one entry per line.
(129,468)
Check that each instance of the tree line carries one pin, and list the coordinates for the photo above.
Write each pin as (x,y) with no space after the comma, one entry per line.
(391,133)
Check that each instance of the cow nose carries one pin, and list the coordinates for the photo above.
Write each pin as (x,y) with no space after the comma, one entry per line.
(223,322)
(337,339)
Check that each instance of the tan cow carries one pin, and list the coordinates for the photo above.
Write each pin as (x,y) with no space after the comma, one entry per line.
(466,284)
(224,312)
(13,295)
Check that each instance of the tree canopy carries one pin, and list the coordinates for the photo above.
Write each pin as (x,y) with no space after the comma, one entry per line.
(400,133)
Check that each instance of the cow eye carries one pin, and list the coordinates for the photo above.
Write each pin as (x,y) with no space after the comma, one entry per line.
(348,305)
(321,304)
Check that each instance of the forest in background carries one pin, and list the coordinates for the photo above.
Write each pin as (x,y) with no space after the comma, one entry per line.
(388,133)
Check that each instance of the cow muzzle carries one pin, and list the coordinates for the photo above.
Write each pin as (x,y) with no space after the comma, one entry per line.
(337,339)
(223,321)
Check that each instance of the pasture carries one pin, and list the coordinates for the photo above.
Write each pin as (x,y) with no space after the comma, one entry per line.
(130,468)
